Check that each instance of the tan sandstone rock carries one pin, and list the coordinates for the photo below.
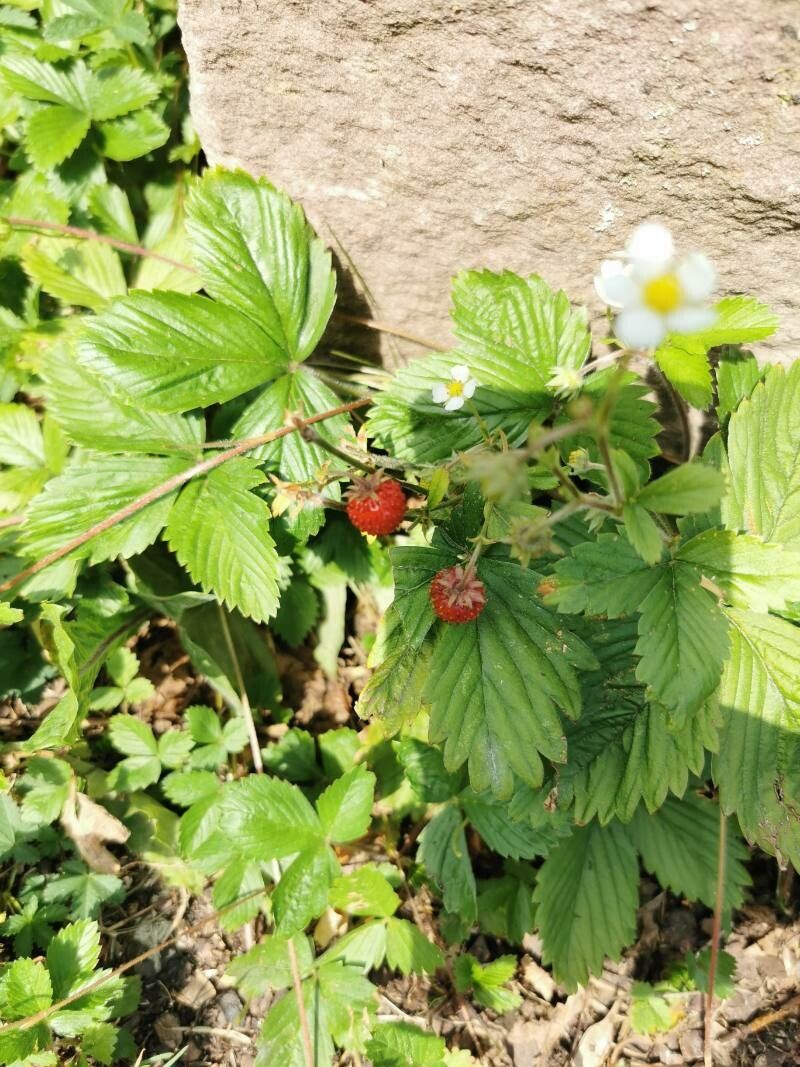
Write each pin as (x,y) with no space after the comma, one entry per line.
(424,137)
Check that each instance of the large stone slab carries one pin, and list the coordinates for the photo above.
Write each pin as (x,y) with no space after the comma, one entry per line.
(424,137)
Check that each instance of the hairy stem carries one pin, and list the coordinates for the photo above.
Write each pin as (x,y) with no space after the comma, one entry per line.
(247,711)
(308,1048)
(169,486)
(715,934)
(92,235)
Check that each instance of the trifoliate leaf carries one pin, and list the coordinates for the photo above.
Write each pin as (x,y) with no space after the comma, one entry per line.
(763,449)
(486,981)
(444,855)
(257,253)
(679,844)
(268,817)
(85,890)
(219,531)
(586,896)
(760,697)
(652,1009)
(345,807)
(136,741)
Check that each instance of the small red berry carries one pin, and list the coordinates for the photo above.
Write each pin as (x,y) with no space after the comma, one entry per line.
(457,595)
(376,505)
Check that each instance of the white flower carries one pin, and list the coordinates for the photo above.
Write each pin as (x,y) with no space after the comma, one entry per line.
(456,390)
(654,292)
(564,381)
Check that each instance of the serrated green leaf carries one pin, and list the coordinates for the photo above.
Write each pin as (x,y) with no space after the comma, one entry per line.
(72,956)
(53,133)
(737,375)
(219,531)
(444,855)
(131,736)
(399,1044)
(425,770)
(724,985)
(111,208)
(760,698)
(302,893)
(36,80)
(683,639)
(651,1011)
(85,890)
(185,788)
(9,615)
(364,891)
(603,577)
(76,272)
(132,136)
(266,966)
(515,840)
(257,253)
(740,320)
(26,989)
(21,443)
(679,844)
(409,951)
(269,818)
(92,415)
(686,490)
(115,91)
(345,807)
(587,896)
(174,747)
(174,352)
(486,710)
(751,573)
(91,489)
(46,785)
(643,533)
(684,363)
(764,460)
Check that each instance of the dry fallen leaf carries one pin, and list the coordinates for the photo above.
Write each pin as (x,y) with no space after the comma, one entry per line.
(89,825)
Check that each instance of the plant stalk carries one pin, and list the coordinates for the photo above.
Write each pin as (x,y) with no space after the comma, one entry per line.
(715,936)
(169,486)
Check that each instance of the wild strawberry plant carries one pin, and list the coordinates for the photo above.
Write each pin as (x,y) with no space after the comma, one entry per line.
(589,652)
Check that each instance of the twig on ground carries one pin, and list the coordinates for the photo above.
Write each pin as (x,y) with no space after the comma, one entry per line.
(715,934)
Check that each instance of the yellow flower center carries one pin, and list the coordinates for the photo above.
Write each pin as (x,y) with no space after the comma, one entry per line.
(455,388)
(663,294)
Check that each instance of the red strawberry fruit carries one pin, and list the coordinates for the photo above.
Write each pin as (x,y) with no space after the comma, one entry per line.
(375,505)
(457,595)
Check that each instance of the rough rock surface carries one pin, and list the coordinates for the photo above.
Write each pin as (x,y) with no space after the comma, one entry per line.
(531,134)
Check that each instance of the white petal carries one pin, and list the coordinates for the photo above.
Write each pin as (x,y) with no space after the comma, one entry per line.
(697,277)
(469,388)
(640,328)
(691,319)
(619,290)
(460,373)
(439,394)
(651,245)
(454,403)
